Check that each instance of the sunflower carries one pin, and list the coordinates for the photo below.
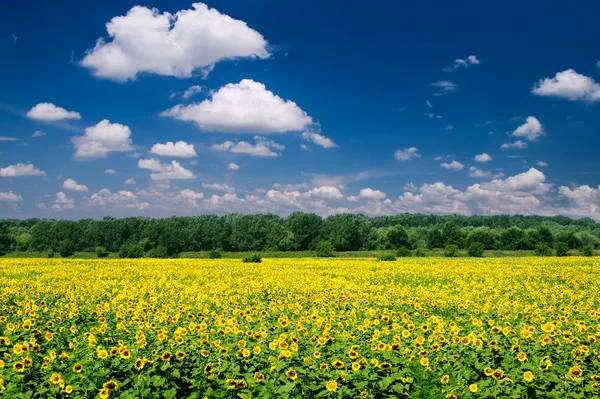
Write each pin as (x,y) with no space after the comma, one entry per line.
(19,367)
(139,364)
(55,378)
(110,385)
(166,356)
(78,368)
(102,354)
(291,374)
(259,377)
(385,366)
(355,366)
(522,356)
(528,376)
(331,386)
(103,393)
(338,364)
(445,379)
(473,388)
(68,389)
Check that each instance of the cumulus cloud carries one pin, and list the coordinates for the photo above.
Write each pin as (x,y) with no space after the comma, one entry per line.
(463,63)
(20,169)
(407,154)
(569,85)
(454,165)
(37,134)
(177,44)
(180,149)
(233,166)
(483,157)
(49,112)
(165,171)
(99,140)
(122,199)
(219,187)
(478,173)
(531,130)
(245,107)
(72,185)
(130,181)
(62,203)
(520,145)
(318,139)
(368,194)
(110,171)
(10,197)
(325,192)
(261,148)
(444,86)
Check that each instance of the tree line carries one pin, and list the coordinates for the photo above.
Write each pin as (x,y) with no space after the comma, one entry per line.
(297,232)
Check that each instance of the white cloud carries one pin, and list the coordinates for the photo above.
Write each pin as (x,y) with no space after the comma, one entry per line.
(233,166)
(325,192)
(460,63)
(62,203)
(483,157)
(407,154)
(10,197)
(180,149)
(318,139)
(542,164)
(165,171)
(454,165)
(570,85)
(189,92)
(49,112)
(261,148)
(478,173)
(72,185)
(177,44)
(21,170)
(122,199)
(3,138)
(110,171)
(38,133)
(368,194)
(304,147)
(130,181)
(449,128)
(530,130)
(245,107)
(517,144)
(101,139)
(219,187)
(445,87)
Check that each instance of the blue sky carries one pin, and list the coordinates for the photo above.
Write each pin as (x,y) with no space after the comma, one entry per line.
(324,107)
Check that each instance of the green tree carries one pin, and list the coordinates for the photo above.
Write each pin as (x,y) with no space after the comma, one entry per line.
(452,234)
(101,252)
(397,237)
(403,252)
(6,240)
(476,250)
(588,250)
(543,249)
(305,228)
(324,249)
(160,252)
(435,239)
(65,248)
(450,251)
(561,248)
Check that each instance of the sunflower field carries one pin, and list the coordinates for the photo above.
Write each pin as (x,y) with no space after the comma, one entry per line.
(300,328)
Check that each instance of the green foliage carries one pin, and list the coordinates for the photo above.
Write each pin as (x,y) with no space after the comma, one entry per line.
(476,250)
(435,239)
(386,257)
(543,249)
(325,249)
(65,248)
(452,234)
(252,258)
(403,252)
(159,252)
(101,252)
(484,235)
(561,248)
(131,251)
(588,250)
(51,253)
(397,237)
(450,251)
(215,254)
(5,239)
(419,253)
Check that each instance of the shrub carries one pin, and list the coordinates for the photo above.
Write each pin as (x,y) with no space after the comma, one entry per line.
(101,252)
(476,250)
(159,252)
(450,251)
(562,248)
(215,254)
(386,258)
(131,251)
(252,258)
(324,249)
(65,248)
(403,252)
(419,253)
(51,253)
(543,249)
(588,250)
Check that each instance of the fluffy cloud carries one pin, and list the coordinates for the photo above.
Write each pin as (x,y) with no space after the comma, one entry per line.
(483,157)
(569,85)
(62,203)
(407,154)
(37,134)
(368,194)
(110,171)
(520,145)
(122,199)
(21,170)
(261,148)
(219,187)
(177,44)
(181,149)
(233,166)
(530,130)
(454,165)
(187,93)
(318,139)
(72,185)
(10,197)
(245,107)
(165,171)
(49,112)
(478,173)
(325,192)
(101,139)
(130,181)
(444,86)
(460,63)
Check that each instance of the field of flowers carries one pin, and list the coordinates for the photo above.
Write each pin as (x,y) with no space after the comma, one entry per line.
(300,328)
